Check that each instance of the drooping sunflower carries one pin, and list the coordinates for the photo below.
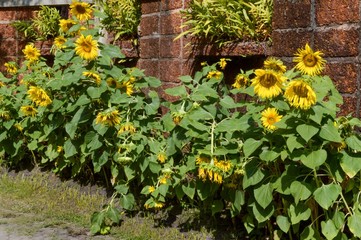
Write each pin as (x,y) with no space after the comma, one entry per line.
(108,118)
(223,165)
(127,127)
(268,83)
(308,61)
(32,54)
(5,115)
(222,63)
(127,86)
(11,67)
(94,76)
(86,47)
(214,74)
(59,42)
(66,24)
(81,10)
(269,117)
(300,94)
(274,64)
(28,110)
(39,96)
(240,81)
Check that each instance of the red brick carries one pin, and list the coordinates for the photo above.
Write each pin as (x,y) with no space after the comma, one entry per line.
(149,25)
(7,48)
(44,46)
(169,48)
(149,47)
(338,42)
(170,23)
(150,67)
(349,106)
(26,13)
(150,6)
(7,31)
(337,11)
(7,14)
(344,75)
(170,5)
(291,14)
(170,70)
(286,43)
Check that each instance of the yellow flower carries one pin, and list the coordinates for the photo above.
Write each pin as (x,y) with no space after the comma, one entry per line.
(151,189)
(112,82)
(39,96)
(81,10)
(28,110)
(162,157)
(275,64)
(11,68)
(5,115)
(2,84)
(300,94)
(269,118)
(18,127)
(93,76)
(163,180)
(223,165)
(202,159)
(309,62)
(59,42)
(127,87)
(32,54)
(214,74)
(267,83)
(127,127)
(217,178)
(158,204)
(110,118)
(202,174)
(86,47)
(204,64)
(66,24)
(60,149)
(222,63)
(240,81)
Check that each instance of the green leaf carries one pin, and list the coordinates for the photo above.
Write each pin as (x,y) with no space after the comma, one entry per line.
(253,175)
(122,188)
(97,221)
(130,173)
(354,223)
(268,155)
(300,191)
(354,142)
(70,129)
(308,234)
(189,190)
(314,159)
(330,132)
(307,131)
(186,79)
(298,213)
(232,125)
(262,214)
(127,201)
(179,91)
(326,195)
(283,223)
(113,214)
(294,143)
(350,165)
(263,195)
(228,102)
(251,145)
(69,149)
(329,230)
(217,206)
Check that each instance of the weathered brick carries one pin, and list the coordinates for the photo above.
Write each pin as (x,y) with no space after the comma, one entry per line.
(337,11)
(169,48)
(7,31)
(149,25)
(149,47)
(150,67)
(291,14)
(338,42)
(7,48)
(170,70)
(349,106)
(286,43)
(26,13)
(150,6)
(44,46)
(170,5)
(170,23)
(7,14)
(344,75)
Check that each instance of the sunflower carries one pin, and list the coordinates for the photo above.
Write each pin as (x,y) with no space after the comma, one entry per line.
(308,61)
(109,117)
(269,117)
(32,54)
(86,47)
(59,42)
(11,68)
(222,63)
(2,84)
(300,94)
(39,96)
(127,87)
(28,110)
(223,165)
(127,127)
(267,83)
(81,10)
(151,189)
(161,157)
(66,24)
(5,115)
(214,74)
(93,76)
(240,81)
(275,64)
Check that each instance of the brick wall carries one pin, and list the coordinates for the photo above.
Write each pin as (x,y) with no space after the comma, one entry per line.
(332,26)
